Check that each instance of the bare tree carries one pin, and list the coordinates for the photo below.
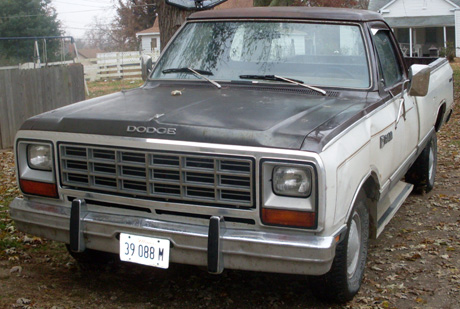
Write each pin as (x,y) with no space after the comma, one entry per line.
(133,16)
(362,4)
(170,19)
(310,3)
(101,36)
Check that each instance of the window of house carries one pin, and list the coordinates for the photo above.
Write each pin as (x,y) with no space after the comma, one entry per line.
(153,43)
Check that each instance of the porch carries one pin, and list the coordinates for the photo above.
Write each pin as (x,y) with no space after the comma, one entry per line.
(424,42)
(424,36)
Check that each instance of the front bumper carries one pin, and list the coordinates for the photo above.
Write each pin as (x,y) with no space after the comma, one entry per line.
(238,249)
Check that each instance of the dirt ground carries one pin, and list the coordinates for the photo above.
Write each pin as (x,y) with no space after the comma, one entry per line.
(414,264)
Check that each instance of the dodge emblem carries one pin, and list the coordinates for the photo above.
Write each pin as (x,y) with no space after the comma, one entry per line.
(151,130)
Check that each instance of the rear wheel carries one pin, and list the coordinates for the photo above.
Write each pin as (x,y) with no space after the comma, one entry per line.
(423,172)
(344,279)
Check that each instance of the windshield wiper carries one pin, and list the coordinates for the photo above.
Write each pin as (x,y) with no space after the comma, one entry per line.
(199,73)
(283,79)
(186,70)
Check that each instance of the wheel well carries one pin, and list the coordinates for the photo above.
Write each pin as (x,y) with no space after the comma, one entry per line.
(441,112)
(372,194)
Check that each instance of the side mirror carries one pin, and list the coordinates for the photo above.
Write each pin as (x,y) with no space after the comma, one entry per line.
(146,66)
(195,4)
(419,76)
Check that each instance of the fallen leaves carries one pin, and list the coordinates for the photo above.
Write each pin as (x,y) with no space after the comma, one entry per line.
(16,269)
(412,257)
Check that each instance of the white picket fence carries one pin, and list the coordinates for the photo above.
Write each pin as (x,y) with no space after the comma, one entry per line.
(124,65)
(116,65)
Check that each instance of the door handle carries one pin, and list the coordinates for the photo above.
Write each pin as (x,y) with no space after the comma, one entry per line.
(401,111)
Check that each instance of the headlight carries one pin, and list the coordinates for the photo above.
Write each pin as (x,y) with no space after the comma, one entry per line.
(289,194)
(39,157)
(292,181)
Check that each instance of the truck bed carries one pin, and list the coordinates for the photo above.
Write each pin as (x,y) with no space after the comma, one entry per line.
(419,60)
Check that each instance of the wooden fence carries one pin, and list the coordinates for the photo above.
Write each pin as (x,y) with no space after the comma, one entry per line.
(117,65)
(25,93)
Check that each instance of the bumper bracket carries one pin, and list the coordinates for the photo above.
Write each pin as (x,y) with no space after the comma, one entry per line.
(77,213)
(215,263)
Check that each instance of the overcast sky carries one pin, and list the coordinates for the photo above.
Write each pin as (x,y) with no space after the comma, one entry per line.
(78,15)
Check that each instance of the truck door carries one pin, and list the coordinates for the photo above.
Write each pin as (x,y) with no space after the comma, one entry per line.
(394,84)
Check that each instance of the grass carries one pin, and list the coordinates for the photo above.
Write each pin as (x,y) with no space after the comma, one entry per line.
(8,238)
(456,67)
(100,88)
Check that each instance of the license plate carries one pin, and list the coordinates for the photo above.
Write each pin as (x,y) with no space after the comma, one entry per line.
(144,250)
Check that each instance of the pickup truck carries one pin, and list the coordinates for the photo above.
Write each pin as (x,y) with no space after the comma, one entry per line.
(265,139)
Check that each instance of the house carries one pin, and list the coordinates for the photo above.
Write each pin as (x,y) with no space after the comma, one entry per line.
(422,27)
(150,38)
(86,55)
(89,53)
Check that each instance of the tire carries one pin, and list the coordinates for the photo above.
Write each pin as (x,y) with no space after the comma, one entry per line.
(343,280)
(92,259)
(423,172)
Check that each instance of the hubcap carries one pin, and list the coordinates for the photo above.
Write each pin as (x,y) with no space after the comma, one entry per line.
(354,245)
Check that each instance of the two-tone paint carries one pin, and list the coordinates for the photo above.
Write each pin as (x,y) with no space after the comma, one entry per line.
(340,134)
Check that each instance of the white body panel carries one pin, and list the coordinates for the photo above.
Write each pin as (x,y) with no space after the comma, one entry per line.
(440,91)
(357,154)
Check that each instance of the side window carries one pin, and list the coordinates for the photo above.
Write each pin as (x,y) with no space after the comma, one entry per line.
(389,64)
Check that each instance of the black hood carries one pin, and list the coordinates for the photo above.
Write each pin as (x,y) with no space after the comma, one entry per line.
(253,115)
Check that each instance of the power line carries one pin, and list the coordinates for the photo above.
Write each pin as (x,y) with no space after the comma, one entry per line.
(92,1)
(36,15)
(79,4)
(60,13)
(78,28)
(78,23)
(131,6)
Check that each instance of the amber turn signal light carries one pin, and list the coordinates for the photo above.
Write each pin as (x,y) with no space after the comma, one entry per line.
(289,218)
(38,188)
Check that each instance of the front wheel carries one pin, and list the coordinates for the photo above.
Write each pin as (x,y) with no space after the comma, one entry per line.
(343,280)
(423,172)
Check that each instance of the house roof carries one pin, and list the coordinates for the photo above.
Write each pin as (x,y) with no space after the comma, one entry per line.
(89,53)
(375,5)
(423,21)
(152,30)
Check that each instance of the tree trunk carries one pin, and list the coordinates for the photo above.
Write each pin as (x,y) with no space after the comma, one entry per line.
(170,18)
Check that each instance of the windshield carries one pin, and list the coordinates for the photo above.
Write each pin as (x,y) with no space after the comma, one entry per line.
(330,55)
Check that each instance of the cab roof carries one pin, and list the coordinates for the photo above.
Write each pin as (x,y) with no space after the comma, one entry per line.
(293,12)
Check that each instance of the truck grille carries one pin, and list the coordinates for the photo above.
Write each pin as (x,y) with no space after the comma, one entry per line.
(164,176)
